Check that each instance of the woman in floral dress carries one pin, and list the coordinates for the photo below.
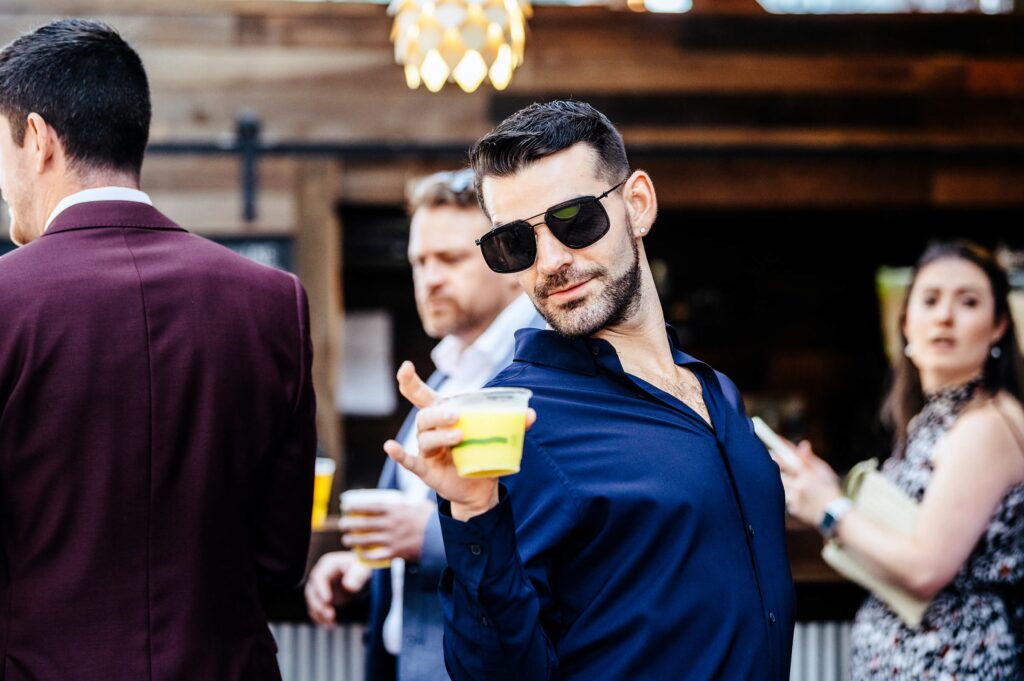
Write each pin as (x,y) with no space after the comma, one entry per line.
(955,405)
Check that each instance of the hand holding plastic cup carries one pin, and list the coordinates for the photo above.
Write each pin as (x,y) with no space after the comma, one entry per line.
(493,422)
(363,503)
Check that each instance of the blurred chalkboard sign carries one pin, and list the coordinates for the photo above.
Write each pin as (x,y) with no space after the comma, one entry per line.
(273,251)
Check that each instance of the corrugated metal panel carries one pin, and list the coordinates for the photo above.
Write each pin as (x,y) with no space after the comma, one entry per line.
(308,653)
(821,652)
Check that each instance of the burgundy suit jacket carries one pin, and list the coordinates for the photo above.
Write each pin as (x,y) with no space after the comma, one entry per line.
(157,440)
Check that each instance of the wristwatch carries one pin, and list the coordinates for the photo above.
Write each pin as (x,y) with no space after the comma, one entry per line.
(834,512)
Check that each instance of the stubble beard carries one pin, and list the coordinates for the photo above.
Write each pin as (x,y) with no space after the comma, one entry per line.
(616,302)
(459,321)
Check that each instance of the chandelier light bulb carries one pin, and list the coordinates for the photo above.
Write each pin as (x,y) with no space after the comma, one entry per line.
(434,71)
(461,41)
(470,72)
(501,69)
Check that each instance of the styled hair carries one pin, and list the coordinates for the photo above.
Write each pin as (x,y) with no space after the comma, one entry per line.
(542,129)
(88,84)
(1005,372)
(446,188)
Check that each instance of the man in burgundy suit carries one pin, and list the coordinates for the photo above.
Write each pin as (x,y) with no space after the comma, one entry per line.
(156,413)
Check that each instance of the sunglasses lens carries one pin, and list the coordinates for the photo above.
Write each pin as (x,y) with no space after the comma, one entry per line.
(511,249)
(566,212)
(578,224)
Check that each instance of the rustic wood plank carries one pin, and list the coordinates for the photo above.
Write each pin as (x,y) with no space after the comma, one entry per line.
(979,185)
(826,139)
(219,212)
(66,8)
(172,173)
(318,257)
(720,183)
(810,34)
(325,72)
(384,182)
(764,183)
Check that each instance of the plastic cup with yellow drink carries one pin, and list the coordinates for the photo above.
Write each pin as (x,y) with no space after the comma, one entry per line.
(366,503)
(323,477)
(493,422)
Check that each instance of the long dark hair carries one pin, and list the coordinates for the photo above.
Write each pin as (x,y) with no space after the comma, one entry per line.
(1005,372)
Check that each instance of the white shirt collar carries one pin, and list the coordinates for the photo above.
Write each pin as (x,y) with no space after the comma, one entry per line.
(98,194)
(494,345)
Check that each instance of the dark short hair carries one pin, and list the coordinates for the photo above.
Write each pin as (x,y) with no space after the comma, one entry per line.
(88,84)
(446,188)
(1003,372)
(542,129)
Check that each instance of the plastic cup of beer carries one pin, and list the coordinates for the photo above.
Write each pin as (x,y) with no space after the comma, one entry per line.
(323,477)
(493,422)
(366,503)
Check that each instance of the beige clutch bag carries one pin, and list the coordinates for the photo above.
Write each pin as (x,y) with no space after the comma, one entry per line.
(880,500)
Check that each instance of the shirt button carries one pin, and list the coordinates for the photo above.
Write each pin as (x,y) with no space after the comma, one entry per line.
(596,350)
(411,569)
(771,617)
(475,549)
(484,621)
(750,530)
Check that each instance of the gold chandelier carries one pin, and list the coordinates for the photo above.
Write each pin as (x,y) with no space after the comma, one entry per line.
(464,41)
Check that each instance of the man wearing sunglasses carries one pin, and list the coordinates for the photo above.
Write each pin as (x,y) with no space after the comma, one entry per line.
(644,536)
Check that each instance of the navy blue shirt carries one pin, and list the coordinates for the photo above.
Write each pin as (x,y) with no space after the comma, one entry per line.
(637,542)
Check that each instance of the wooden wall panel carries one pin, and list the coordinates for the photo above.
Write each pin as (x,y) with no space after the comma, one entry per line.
(318,257)
(708,84)
(326,71)
(979,186)
(768,183)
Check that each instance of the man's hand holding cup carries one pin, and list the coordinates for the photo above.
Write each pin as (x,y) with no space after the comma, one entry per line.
(436,436)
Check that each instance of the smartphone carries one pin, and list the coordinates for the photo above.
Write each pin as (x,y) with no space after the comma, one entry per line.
(776,444)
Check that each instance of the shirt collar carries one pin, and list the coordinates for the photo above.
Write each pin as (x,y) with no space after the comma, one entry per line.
(581,355)
(492,347)
(98,194)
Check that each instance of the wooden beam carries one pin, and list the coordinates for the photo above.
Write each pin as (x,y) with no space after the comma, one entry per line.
(219,212)
(318,255)
(978,185)
(733,183)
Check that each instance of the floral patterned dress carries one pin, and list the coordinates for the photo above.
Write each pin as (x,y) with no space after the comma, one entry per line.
(971,631)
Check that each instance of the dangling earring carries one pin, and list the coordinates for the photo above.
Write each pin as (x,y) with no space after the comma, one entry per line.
(908,350)
(996,352)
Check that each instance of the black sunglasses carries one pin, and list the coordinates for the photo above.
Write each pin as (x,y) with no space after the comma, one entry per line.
(577,223)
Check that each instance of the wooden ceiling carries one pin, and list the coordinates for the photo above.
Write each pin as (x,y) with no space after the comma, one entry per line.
(727,105)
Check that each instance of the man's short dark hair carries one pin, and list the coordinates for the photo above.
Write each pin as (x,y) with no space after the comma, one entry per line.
(88,84)
(542,129)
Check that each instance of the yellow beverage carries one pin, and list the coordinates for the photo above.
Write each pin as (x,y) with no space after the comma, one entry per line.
(322,480)
(361,550)
(367,503)
(492,442)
